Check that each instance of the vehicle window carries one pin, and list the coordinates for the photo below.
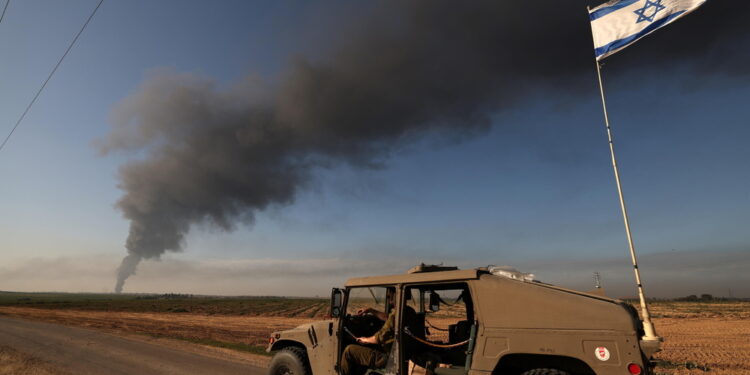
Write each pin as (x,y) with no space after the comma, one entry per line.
(452,311)
(363,298)
(415,299)
(452,318)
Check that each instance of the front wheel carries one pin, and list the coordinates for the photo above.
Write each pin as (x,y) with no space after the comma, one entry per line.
(290,361)
(545,371)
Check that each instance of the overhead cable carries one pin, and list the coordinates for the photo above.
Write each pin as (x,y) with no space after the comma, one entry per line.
(50,74)
(4,9)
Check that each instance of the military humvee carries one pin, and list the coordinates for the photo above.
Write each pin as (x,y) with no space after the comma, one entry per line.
(491,321)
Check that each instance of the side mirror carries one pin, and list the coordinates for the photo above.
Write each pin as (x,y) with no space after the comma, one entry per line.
(337,302)
(434,302)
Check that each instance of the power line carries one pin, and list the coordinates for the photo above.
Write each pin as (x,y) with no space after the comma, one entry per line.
(50,74)
(4,9)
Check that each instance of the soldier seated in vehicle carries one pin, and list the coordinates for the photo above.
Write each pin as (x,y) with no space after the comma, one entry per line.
(372,352)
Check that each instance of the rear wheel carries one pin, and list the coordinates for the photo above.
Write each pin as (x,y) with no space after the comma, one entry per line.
(290,361)
(545,371)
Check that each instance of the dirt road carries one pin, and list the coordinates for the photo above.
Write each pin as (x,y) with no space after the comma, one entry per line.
(85,351)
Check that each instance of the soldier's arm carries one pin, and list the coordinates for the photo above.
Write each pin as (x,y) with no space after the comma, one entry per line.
(386,332)
(379,314)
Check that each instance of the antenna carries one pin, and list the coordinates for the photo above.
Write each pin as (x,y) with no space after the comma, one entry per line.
(597,280)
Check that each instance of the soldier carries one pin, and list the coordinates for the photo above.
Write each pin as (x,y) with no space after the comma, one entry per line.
(356,359)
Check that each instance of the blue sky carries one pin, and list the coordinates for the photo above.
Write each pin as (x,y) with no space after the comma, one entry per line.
(536,190)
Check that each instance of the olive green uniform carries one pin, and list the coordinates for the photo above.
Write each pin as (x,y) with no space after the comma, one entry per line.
(356,359)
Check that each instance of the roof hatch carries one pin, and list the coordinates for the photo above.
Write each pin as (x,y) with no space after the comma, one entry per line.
(430,268)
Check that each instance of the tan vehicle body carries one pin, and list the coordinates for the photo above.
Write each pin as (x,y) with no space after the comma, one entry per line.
(520,325)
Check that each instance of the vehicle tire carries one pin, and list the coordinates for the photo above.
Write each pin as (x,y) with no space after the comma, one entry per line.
(545,371)
(290,361)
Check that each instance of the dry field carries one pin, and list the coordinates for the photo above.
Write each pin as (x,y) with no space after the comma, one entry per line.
(703,337)
(708,338)
(13,362)
(208,329)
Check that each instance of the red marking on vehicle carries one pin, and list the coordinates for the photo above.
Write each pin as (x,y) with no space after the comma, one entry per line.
(602,353)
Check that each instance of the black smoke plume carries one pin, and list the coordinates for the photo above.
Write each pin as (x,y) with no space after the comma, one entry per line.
(217,156)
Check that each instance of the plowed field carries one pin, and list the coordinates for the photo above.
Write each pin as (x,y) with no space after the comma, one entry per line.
(703,338)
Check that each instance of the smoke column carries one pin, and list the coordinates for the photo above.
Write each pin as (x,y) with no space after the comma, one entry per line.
(216,156)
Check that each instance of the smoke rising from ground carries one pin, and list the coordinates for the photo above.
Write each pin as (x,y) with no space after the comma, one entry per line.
(217,155)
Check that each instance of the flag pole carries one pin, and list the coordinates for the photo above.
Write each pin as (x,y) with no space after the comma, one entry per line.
(648,326)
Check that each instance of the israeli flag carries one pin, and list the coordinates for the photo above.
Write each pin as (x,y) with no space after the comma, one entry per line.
(619,23)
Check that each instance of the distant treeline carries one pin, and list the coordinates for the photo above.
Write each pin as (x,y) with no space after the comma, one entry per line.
(708,297)
(691,298)
(165,296)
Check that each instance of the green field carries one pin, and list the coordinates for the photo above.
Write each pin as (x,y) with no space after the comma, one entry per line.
(170,303)
(277,306)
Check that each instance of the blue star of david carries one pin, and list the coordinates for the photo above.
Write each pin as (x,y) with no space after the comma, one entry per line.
(648,12)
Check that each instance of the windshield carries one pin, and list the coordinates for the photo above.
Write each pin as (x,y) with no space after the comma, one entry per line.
(363,298)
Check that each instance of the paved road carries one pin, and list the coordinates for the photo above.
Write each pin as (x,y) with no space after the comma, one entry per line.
(85,351)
